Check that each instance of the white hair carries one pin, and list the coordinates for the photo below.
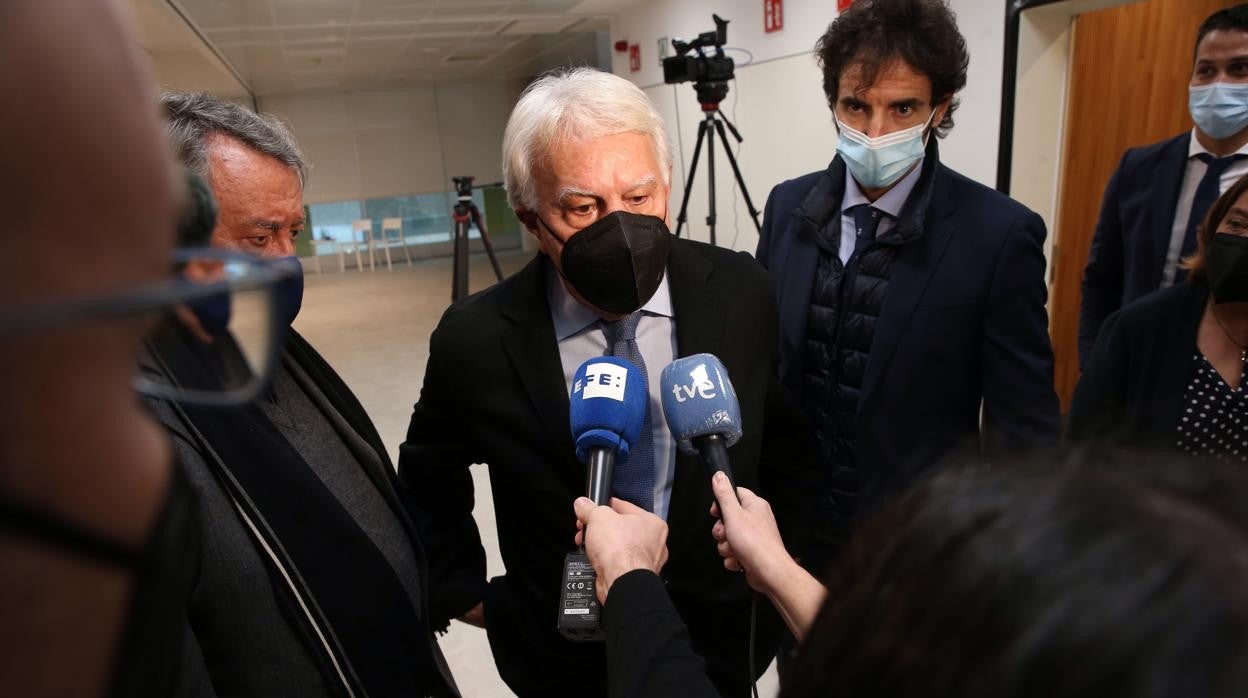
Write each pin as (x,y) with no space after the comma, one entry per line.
(575,104)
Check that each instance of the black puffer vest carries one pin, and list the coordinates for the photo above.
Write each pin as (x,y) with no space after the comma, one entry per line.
(845,303)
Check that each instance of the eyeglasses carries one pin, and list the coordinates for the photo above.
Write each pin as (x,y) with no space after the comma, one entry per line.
(216,338)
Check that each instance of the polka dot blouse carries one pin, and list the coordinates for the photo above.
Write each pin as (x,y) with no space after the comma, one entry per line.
(1214,419)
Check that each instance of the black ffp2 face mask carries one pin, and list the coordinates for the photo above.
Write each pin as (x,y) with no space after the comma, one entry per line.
(617,263)
(1226,262)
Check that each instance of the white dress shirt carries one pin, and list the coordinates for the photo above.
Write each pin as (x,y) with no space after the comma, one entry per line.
(1187,193)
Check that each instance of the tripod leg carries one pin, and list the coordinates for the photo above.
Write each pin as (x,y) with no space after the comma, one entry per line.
(710,174)
(736,171)
(485,239)
(459,273)
(684,201)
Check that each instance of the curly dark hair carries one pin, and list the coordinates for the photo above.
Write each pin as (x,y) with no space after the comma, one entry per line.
(875,33)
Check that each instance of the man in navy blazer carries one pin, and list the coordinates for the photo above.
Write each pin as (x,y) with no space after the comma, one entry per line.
(910,296)
(1160,192)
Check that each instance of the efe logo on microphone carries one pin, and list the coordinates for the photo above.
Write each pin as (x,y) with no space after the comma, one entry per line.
(603,380)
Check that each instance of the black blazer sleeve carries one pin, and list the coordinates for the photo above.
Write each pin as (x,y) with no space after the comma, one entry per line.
(1103,277)
(1099,405)
(649,654)
(1020,405)
(433,466)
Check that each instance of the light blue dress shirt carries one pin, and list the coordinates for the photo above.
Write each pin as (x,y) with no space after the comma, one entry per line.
(579,334)
(890,203)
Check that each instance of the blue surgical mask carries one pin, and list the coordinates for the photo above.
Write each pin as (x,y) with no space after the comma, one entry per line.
(876,163)
(1220,109)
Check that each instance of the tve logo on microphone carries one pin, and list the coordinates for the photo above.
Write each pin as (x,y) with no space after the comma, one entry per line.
(603,380)
(700,385)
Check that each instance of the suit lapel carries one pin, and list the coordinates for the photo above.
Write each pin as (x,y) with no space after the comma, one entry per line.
(699,314)
(534,354)
(912,271)
(697,310)
(1162,207)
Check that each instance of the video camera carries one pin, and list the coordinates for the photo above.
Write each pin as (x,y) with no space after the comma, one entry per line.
(701,69)
(463,186)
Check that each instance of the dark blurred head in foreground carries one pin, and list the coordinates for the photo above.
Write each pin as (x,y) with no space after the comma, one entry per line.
(1087,575)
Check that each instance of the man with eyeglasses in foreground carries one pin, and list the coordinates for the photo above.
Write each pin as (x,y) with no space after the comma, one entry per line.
(311,580)
(93,515)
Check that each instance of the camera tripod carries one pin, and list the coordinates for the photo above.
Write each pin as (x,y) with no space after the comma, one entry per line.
(465,213)
(710,94)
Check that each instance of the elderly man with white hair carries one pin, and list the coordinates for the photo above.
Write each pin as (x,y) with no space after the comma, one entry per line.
(587,166)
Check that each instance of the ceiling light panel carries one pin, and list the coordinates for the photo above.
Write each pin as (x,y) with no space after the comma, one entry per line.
(552,25)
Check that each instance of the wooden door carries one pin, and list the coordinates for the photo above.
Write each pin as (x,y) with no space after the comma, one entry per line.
(1129,70)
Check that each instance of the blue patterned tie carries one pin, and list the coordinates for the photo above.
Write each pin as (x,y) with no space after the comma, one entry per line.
(634,475)
(867,220)
(1207,192)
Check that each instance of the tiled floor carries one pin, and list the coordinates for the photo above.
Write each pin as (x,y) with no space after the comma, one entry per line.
(373,327)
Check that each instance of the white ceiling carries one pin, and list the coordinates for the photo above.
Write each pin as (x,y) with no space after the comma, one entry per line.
(179,59)
(295,46)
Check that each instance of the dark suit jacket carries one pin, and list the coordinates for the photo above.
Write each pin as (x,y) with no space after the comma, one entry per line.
(1133,384)
(494,393)
(1132,235)
(963,322)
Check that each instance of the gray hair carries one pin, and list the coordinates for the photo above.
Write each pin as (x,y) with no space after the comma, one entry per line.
(571,105)
(191,117)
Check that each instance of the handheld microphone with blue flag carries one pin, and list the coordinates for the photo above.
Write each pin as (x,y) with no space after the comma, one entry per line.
(606,409)
(702,410)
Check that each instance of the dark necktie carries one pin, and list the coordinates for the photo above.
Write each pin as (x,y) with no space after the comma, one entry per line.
(866,221)
(634,476)
(1207,192)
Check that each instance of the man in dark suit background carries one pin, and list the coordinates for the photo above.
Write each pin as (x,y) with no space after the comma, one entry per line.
(910,296)
(587,167)
(1160,192)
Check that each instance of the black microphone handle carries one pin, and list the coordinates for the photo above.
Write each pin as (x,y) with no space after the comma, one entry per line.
(601,471)
(715,455)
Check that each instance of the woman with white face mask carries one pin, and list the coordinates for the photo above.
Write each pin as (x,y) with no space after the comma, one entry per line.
(1168,369)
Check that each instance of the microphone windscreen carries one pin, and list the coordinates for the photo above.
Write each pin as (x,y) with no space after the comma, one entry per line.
(608,405)
(698,400)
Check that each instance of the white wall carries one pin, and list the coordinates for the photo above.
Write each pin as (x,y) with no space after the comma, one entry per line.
(777,100)
(1046,36)
(388,142)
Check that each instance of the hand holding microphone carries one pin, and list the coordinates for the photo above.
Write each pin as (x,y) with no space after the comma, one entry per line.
(625,538)
(747,536)
(748,539)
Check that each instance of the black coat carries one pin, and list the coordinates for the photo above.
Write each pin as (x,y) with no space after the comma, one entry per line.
(1133,384)
(494,393)
(1132,235)
(963,324)
(648,652)
(254,623)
